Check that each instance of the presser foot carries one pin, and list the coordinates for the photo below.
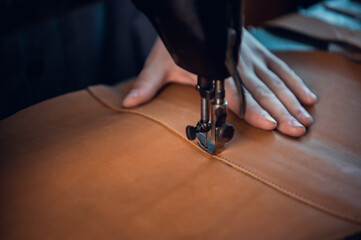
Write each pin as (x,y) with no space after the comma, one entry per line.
(212,135)
(205,144)
(219,137)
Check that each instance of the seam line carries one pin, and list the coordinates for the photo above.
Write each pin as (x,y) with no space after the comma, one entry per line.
(239,167)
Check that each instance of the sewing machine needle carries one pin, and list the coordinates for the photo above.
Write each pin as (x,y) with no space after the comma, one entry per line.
(206,140)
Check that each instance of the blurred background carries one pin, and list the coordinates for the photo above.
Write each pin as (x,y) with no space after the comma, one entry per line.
(258,11)
(48,48)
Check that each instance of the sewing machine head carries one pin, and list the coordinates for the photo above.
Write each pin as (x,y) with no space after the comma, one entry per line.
(203,37)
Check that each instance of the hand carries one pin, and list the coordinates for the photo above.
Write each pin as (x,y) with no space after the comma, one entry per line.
(274,93)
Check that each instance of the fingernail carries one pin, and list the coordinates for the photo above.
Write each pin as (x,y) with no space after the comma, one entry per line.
(312,95)
(304,115)
(295,123)
(128,100)
(132,94)
(269,118)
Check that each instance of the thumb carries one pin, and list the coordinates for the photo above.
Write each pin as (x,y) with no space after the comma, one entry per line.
(145,87)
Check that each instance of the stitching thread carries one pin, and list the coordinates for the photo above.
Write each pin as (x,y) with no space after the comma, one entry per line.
(240,168)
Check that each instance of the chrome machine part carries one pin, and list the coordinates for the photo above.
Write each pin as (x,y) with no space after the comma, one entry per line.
(220,131)
(206,90)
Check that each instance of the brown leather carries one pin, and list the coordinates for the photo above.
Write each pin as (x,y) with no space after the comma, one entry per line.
(80,167)
(316,28)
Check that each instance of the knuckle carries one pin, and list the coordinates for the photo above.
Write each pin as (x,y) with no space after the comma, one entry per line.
(291,72)
(282,64)
(259,51)
(278,84)
(262,94)
(298,111)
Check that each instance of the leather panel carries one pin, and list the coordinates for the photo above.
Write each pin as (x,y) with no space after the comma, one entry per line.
(79,167)
(301,168)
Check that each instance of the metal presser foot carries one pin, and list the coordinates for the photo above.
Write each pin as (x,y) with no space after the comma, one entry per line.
(212,135)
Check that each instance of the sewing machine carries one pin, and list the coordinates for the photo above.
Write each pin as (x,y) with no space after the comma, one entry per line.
(203,37)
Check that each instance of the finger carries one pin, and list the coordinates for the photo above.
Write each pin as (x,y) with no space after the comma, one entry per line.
(146,86)
(286,123)
(179,75)
(284,94)
(255,115)
(291,79)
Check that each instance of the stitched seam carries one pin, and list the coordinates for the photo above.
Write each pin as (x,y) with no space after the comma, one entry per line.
(240,168)
(292,194)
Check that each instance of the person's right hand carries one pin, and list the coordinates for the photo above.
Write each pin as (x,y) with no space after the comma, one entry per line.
(274,93)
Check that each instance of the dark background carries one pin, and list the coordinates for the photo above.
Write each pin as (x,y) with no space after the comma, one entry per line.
(63,50)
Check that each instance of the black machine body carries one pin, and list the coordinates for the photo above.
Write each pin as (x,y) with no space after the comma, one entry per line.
(203,37)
